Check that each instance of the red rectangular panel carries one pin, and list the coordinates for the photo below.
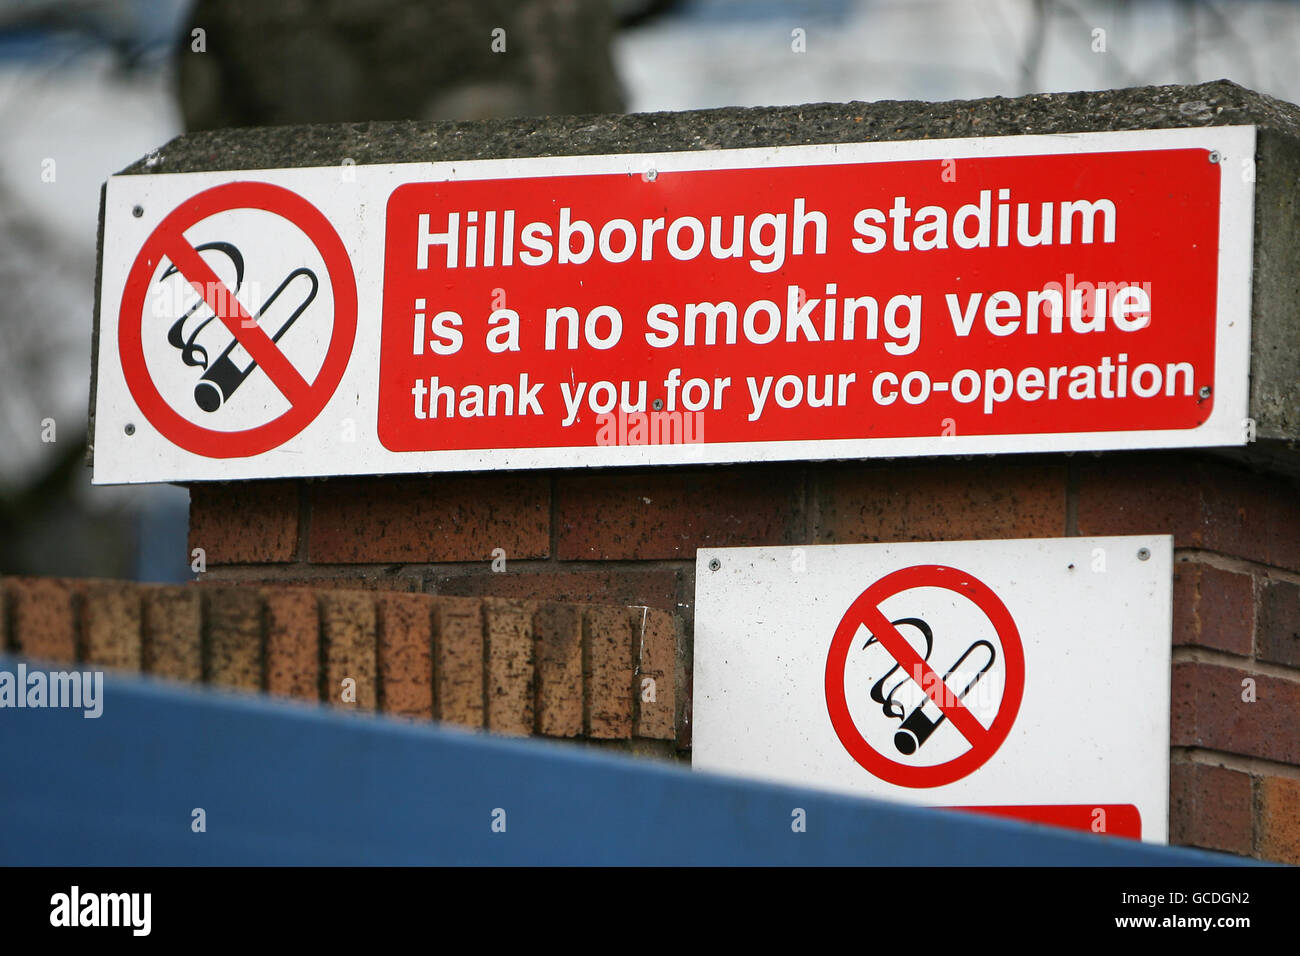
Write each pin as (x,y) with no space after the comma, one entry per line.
(937,262)
(1113,819)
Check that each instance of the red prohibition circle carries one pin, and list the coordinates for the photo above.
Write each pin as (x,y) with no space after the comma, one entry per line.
(168,242)
(987,740)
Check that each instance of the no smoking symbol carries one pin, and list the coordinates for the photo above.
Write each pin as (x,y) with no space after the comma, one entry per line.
(168,243)
(982,741)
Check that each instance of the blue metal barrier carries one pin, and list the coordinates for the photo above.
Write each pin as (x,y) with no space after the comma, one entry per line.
(284,783)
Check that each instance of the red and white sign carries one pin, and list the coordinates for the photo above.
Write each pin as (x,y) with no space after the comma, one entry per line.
(167,249)
(1025,679)
(938,297)
(946,697)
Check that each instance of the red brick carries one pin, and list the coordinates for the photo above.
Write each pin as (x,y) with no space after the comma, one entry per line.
(626,586)
(1278,630)
(1213,608)
(292,643)
(406,653)
(348,630)
(1251,515)
(1210,807)
(508,626)
(111,622)
(1208,711)
(44,617)
(1279,819)
(942,501)
(458,661)
(632,515)
(609,676)
(234,637)
(247,522)
(350,580)
(684,724)
(558,653)
(429,519)
(655,634)
(1203,504)
(173,633)
(1141,495)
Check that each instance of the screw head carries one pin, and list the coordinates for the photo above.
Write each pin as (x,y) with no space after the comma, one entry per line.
(714,564)
(1144,554)
(130,429)
(1204,392)
(657,404)
(1216,156)
(137,211)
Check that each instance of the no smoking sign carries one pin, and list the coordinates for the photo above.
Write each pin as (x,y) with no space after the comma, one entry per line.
(237,321)
(1022,678)
(738,305)
(914,701)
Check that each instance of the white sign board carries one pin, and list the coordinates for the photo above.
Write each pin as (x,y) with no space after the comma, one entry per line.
(1028,678)
(940,297)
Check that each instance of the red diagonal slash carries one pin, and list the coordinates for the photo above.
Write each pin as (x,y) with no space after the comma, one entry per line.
(916,668)
(228,309)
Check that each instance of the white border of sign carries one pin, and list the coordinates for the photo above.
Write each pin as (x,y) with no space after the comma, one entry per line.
(357,210)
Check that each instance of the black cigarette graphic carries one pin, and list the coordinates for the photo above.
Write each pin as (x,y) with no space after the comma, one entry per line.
(917,727)
(914,731)
(224,375)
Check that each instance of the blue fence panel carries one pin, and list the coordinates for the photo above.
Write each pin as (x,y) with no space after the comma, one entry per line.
(285,783)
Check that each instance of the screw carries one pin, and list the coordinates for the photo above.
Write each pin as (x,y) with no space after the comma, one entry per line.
(1143,554)
(658,403)
(130,429)
(714,564)
(1204,392)
(1215,156)
(651,174)
(137,211)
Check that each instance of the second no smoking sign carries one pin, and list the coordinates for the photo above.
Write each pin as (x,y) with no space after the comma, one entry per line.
(1024,678)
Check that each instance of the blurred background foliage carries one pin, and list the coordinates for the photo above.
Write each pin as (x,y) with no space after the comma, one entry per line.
(88,86)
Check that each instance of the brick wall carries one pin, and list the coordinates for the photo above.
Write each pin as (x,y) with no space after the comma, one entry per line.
(629,537)
(603,674)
